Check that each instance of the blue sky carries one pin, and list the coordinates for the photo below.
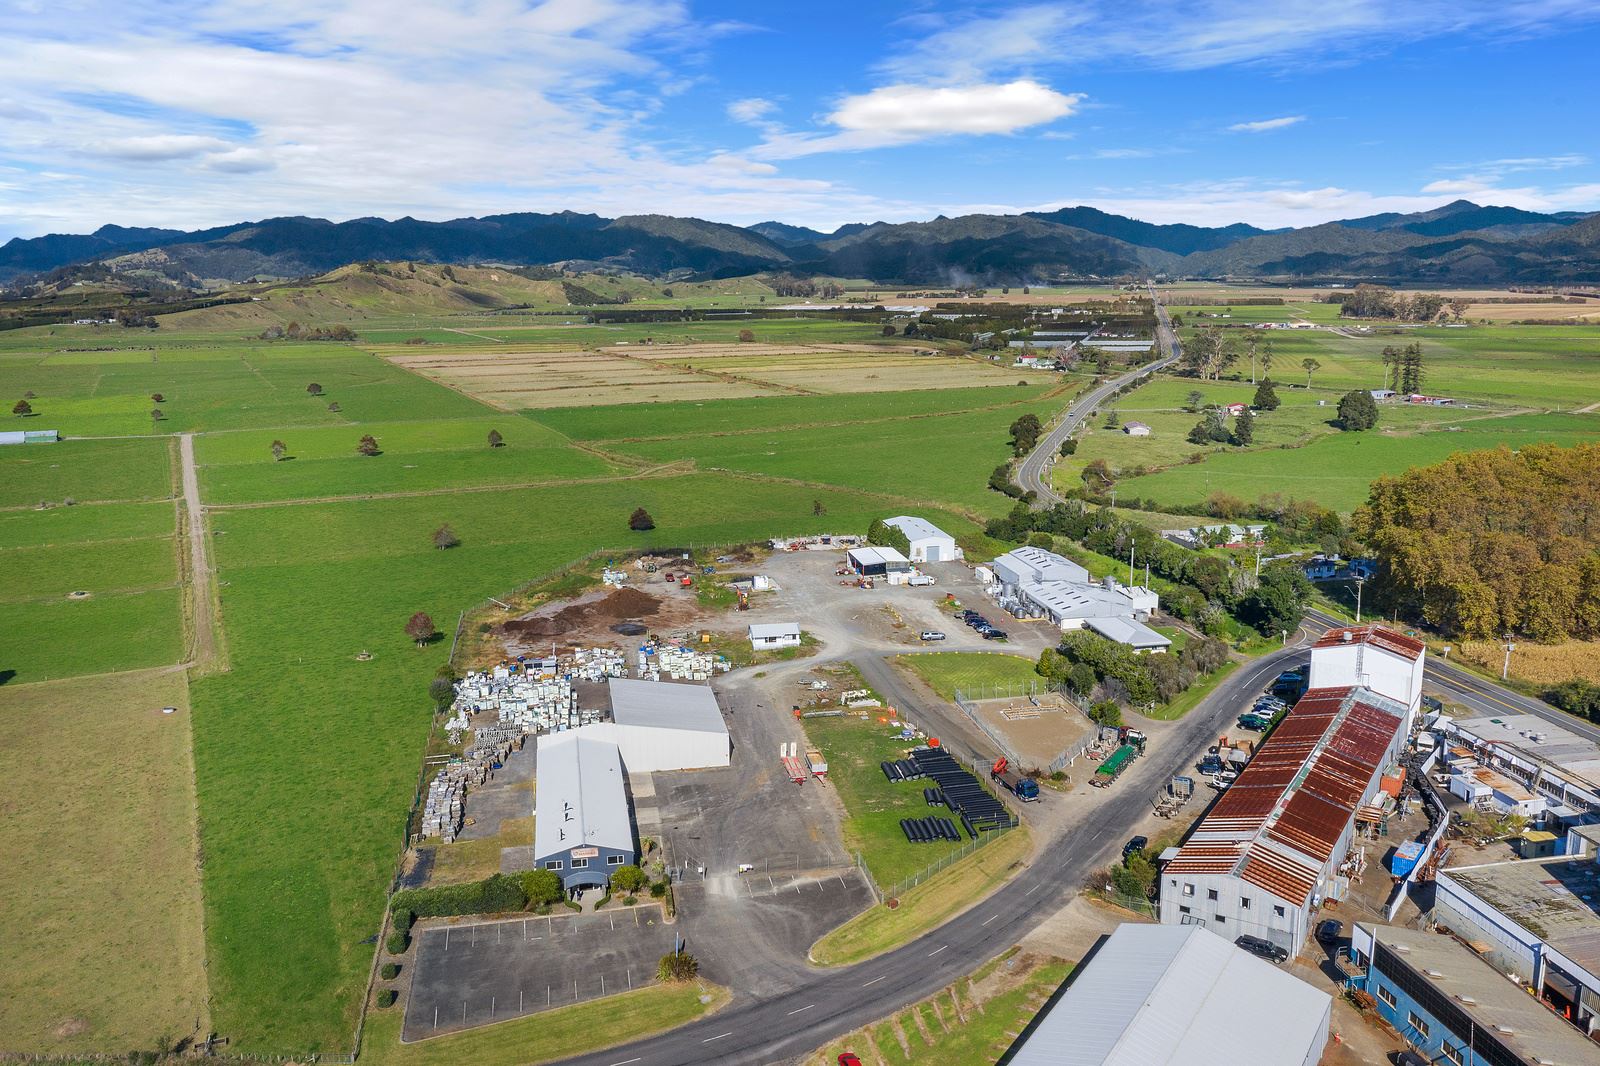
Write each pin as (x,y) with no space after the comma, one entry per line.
(157,112)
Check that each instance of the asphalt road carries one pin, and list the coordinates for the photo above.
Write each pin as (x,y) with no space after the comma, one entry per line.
(1034,472)
(824,1004)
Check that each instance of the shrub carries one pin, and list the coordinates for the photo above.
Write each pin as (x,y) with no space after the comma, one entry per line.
(496,895)
(390,971)
(542,887)
(386,998)
(640,520)
(680,967)
(401,919)
(627,879)
(658,890)
(398,943)
(628,901)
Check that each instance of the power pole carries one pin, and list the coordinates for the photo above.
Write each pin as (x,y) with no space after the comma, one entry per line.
(1359,582)
(1511,646)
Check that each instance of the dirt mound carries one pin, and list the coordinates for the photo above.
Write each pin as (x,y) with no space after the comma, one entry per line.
(620,605)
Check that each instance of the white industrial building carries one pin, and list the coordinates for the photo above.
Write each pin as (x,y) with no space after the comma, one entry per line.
(928,543)
(1559,768)
(1136,635)
(765,636)
(1033,582)
(1536,919)
(1178,996)
(659,725)
(879,561)
(1371,657)
(581,827)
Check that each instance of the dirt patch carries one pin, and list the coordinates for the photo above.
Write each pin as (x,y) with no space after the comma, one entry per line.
(618,606)
(71,1027)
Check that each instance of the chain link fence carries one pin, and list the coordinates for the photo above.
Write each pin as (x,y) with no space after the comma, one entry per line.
(967,699)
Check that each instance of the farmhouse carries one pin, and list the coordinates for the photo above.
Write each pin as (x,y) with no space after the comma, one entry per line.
(929,543)
(878,561)
(1274,846)
(658,725)
(1534,918)
(581,826)
(1178,994)
(1237,409)
(1136,429)
(764,636)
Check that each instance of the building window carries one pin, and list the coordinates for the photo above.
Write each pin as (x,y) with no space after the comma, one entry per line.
(1384,994)
(1451,1052)
(1221,920)
(580,864)
(613,860)
(1244,903)
(1183,910)
(1188,890)
(1211,894)
(1277,912)
(1416,1022)
(553,864)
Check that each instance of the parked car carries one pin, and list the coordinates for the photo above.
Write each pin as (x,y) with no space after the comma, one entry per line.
(1329,931)
(1264,949)
(1211,764)
(1134,844)
(932,634)
(969,616)
(1254,723)
(849,1059)
(994,634)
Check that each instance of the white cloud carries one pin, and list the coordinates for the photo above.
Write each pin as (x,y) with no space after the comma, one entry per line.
(157,148)
(751,111)
(902,114)
(1266,124)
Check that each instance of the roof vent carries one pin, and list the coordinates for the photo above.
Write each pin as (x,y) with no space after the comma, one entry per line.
(1435,974)
(1345,636)
(1467,1000)
(1501,1027)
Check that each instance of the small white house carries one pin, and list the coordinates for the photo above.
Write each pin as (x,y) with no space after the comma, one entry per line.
(1136,429)
(765,636)
(928,543)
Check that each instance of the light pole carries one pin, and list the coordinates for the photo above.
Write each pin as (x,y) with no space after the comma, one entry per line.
(1511,646)
(1359,582)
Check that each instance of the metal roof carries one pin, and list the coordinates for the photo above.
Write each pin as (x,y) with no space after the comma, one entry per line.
(1127,631)
(1278,824)
(1575,755)
(1503,1011)
(870,554)
(1554,899)
(766,630)
(917,528)
(1039,564)
(579,796)
(666,705)
(1172,995)
(1373,636)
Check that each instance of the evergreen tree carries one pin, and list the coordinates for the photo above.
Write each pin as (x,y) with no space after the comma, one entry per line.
(1266,398)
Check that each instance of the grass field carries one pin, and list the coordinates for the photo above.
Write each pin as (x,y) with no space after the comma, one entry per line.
(946,671)
(1336,470)
(972,1022)
(85,471)
(928,905)
(100,915)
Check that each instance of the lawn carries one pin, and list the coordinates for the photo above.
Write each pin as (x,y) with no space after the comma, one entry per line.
(972,1022)
(1337,470)
(100,916)
(927,906)
(86,471)
(548,1035)
(947,671)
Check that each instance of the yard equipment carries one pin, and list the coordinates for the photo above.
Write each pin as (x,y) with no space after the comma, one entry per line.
(818,765)
(1112,768)
(791,763)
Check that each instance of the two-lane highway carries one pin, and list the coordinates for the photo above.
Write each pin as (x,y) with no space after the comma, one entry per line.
(1033,474)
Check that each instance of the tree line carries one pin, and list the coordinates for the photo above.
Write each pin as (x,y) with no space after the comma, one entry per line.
(1379,301)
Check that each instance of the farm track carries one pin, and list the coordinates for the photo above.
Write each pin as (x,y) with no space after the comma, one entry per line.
(203,654)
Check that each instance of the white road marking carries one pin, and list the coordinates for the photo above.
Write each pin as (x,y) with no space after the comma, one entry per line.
(875,980)
(625,1062)
(708,1039)
(989,919)
(936,950)
(797,1010)
(1032,890)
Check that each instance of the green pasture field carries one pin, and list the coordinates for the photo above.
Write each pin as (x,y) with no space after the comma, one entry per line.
(48,572)
(1160,405)
(31,527)
(210,384)
(947,671)
(1337,469)
(1249,314)
(307,758)
(415,456)
(641,421)
(1534,366)
(873,805)
(560,333)
(86,471)
(100,913)
(937,459)
(48,639)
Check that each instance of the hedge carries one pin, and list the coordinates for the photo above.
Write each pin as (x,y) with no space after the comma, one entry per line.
(496,895)
(398,943)
(390,971)
(386,997)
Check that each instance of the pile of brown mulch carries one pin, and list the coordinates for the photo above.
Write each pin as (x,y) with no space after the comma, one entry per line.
(619,605)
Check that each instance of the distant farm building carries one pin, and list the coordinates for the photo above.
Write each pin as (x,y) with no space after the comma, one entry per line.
(764,637)
(929,543)
(30,436)
(1136,429)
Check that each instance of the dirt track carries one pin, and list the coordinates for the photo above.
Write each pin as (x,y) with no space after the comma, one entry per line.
(202,594)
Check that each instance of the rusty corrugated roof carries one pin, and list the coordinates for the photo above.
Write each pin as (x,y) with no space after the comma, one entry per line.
(1374,636)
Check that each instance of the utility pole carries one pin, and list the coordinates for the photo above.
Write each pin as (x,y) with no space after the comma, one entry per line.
(1511,646)
(1130,565)
(1359,582)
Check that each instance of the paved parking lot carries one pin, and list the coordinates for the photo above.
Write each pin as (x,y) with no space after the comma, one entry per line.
(475,973)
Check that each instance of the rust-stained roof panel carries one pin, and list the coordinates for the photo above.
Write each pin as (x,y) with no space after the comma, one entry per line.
(1373,636)
(1279,875)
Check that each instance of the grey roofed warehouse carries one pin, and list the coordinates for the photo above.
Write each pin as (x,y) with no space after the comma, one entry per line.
(581,826)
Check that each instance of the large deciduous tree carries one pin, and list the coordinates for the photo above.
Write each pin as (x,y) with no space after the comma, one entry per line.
(1357,410)
(420,628)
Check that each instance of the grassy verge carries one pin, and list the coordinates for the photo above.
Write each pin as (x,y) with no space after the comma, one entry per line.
(549,1035)
(973,1021)
(946,671)
(1186,700)
(925,907)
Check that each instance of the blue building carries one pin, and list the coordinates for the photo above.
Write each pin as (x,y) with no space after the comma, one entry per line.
(1454,1007)
(582,829)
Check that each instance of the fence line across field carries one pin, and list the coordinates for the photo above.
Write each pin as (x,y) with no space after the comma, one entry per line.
(899,888)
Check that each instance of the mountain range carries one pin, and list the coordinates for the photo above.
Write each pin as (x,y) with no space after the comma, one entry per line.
(1458,243)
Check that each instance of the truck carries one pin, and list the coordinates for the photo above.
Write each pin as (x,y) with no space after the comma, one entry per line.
(1112,768)
(818,765)
(1129,735)
(1025,789)
(921,580)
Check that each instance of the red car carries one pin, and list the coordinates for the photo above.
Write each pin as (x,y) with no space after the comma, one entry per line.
(848,1059)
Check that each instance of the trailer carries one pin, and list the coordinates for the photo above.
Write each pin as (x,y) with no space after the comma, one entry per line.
(818,765)
(1025,789)
(792,767)
(1112,768)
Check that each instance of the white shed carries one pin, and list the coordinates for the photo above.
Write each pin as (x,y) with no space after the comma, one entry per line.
(774,635)
(659,725)
(929,543)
